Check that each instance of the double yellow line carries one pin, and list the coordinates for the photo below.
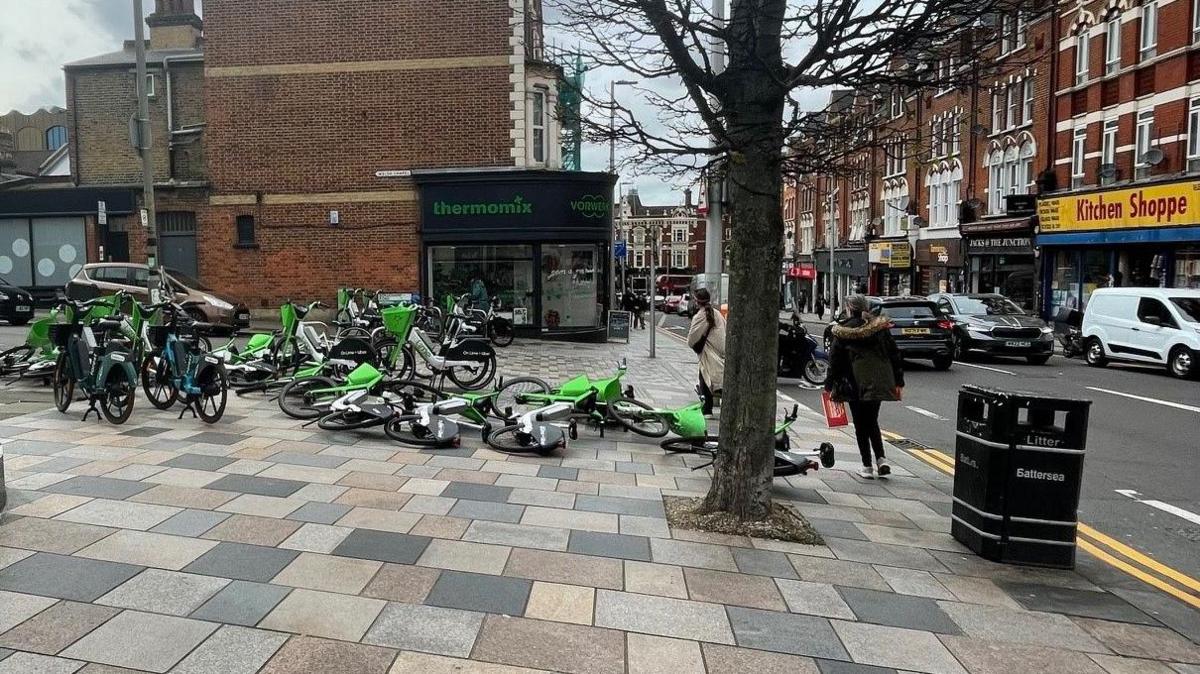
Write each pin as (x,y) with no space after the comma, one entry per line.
(1108,550)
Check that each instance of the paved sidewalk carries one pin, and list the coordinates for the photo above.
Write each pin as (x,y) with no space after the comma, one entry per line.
(259,545)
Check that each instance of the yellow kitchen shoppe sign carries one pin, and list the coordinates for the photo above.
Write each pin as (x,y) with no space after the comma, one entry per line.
(1151,206)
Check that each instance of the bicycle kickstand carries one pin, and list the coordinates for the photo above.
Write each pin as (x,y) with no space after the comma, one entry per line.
(92,400)
(191,406)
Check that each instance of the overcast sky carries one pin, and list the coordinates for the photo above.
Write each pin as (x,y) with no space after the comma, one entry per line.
(38,36)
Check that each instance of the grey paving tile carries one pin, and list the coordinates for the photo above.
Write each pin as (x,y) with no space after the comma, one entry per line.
(312,460)
(191,523)
(836,571)
(547,646)
(882,553)
(239,561)
(980,656)
(634,468)
(898,610)
(814,599)
(154,643)
(308,655)
(785,633)
(215,438)
(1022,627)
(843,667)
(121,514)
(59,464)
(1142,641)
(324,614)
(62,577)
(836,528)
(33,533)
(1085,603)
(147,549)
(32,663)
(720,659)
(465,556)
(144,431)
(16,607)
(477,492)
(686,553)
(479,592)
(896,647)
(429,629)
(232,650)
(520,535)
(259,486)
(158,591)
(565,567)
(558,472)
(383,546)
(4,653)
(763,562)
(402,583)
(666,617)
(485,510)
(610,545)
(253,530)
(320,513)
(241,603)
(98,487)
(198,462)
(914,582)
(620,506)
(55,628)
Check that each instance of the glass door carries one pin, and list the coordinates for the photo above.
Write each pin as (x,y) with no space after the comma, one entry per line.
(570,277)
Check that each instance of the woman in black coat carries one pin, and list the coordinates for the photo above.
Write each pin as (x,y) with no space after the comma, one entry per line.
(865,371)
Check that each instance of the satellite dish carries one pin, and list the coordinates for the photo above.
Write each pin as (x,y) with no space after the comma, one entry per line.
(1153,157)
(902,202)
(1109,171)
(974,204)
(919,221)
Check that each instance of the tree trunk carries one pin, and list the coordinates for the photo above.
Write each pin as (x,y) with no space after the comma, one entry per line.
(744,466)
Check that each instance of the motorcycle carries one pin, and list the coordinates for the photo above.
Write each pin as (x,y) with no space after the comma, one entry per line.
(1068,330)
(801,353)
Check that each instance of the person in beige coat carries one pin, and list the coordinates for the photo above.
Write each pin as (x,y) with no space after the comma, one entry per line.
(706,336)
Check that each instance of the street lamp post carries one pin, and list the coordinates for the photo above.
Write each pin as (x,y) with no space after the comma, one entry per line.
(612,168)
(143,145)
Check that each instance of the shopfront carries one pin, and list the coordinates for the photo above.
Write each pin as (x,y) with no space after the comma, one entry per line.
(1147,236)
(939,266)
(850,272)
(540,241)
(1000,259)
(796,286)
(891,268)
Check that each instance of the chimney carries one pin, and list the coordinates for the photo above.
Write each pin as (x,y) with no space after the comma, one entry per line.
(174,25)
(687,197)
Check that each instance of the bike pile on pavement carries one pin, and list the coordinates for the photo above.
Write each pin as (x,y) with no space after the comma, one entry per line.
(420,372)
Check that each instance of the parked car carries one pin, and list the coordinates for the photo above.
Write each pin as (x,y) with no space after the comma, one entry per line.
(1160,326)
(993,324)
(16,305)
(106,278)
(685,306)
(920,330)
(671,305)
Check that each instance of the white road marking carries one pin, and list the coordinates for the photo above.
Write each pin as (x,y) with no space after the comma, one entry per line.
(1165,507)
(985,367)
(785,397)
(1165,403)
(926,413)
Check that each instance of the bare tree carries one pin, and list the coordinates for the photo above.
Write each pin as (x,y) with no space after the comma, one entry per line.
(737,120)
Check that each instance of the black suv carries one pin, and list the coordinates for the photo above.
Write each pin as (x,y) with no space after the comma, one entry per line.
(16,305)
(919,329)
(992,324)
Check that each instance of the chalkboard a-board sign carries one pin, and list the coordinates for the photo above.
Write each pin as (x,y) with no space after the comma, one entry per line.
(618,325)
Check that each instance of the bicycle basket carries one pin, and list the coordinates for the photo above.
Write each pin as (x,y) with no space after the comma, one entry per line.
(158,335)
(60,333)
(398,321)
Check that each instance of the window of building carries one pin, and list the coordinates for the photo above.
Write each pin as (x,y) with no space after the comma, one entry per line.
(1144,138)
(678,235)
(56,137)
(997,111)
(1148,44)
(996,182)
(1195,20)
(1108,148)
(537,121)
(1078,143)
(1014,103)
(1112,44)
(639,259)
(897,103)
(150,88)
(1193,143)
(955,134)
(1012,32)
(245,230)
(679,259)
(1027,100)
(1021,26)
(1081,56)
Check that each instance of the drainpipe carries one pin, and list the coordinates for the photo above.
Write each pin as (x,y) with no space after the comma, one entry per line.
(1051,107)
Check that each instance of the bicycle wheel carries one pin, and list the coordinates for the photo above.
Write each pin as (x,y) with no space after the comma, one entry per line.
(404,367)
(120,390)
(637,416)
(157,382)
(214,392)
(413,393)
(510,394)
(474,378)
(15,359)
(348,420)
(511,439)
(297,401)
(64,385)
(501,331)
(402,430)
(707,444)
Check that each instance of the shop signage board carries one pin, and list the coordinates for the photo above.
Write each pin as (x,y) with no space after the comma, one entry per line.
(1000,244)
(894,254)
(1166,205)
(618,325)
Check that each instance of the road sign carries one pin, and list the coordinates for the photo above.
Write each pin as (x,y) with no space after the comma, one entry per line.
(145,215)
(620,250)
(101,212)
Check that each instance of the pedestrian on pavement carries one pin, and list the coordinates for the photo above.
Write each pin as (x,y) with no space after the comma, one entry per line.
(628,302)
(639,311)
(819,308)
(865,370)
(706,336)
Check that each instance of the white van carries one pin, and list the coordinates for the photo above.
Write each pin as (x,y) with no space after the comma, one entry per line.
(1144,325)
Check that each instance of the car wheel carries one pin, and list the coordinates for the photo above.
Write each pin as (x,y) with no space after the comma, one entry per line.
(1182,362)
(1038,360)
(1093,353)
(962,348)
(942,362)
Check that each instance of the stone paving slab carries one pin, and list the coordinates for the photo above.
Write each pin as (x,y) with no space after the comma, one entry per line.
(260,545)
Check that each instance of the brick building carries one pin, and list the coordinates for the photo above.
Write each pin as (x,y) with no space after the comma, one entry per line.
(34,137)
(681,233)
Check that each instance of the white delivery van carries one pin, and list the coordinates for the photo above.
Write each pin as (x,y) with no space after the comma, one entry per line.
(1144,325)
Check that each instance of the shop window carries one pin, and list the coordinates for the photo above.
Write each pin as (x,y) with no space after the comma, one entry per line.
(1187,269)
(245,230)
(483,272)
(570,284)
(1148,43)
(56,137)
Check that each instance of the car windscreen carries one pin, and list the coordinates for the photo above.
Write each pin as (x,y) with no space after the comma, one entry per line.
(1188,306)
(185,280)
(987,305)
(909,311)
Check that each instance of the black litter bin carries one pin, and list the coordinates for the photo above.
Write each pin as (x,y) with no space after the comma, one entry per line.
(1018,467)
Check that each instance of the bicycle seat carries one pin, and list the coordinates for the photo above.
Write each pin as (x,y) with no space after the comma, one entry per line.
(554,412)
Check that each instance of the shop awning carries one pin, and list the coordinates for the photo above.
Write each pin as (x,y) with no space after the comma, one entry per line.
(1154,235)
(997,225)
(64,201)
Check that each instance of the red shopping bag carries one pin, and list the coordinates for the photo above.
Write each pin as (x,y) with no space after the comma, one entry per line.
(835,412)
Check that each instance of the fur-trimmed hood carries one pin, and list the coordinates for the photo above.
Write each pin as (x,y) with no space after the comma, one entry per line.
(863,331)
